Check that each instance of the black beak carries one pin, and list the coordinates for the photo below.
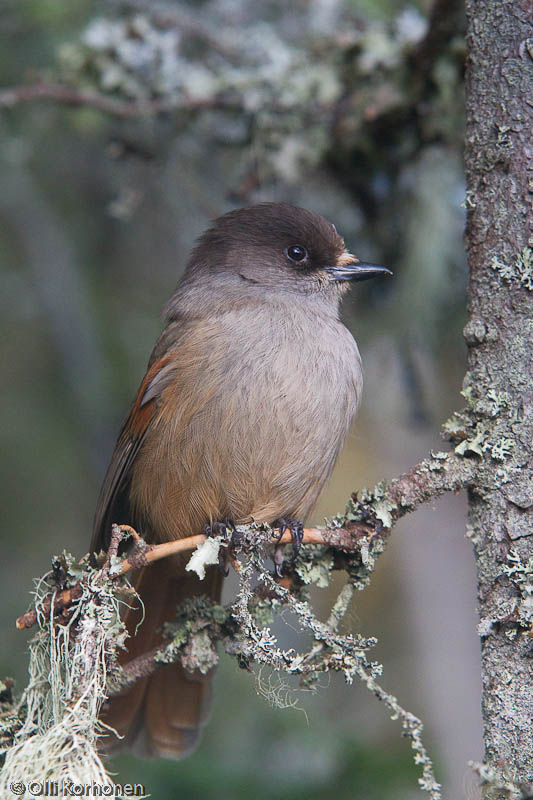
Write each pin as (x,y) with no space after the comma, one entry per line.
(359,271)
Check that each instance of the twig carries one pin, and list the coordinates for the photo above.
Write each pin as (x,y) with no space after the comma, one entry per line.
(69,95)
(429,480)
(148,555)
(117,534)
(60,600)
(158,551)
(139,667)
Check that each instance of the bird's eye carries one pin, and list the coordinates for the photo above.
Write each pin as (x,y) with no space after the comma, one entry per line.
(296,252)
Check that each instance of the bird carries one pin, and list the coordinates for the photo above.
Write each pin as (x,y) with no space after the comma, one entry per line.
(249,394)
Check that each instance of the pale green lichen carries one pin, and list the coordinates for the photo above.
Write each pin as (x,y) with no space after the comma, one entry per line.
(9,721)
(435,463)
(484,426)
(458,426)
(476,445)
(191,638)
(516,614)
(278,90)
(372,501)
(520,574)
(368,506)
(314,565)
(519,269)
(263,611)
(524,267)
(491,405)
(199,653)
(502,449)
(486,627)
(504,140)
(469,200)
(115,565)
(339,520)
(382,509)
(498,780)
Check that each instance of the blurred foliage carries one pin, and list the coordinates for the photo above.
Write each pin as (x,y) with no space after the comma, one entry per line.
(359,773)
(97,215)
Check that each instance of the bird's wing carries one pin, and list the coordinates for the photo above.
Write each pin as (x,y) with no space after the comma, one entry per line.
(112,504)
(162,714)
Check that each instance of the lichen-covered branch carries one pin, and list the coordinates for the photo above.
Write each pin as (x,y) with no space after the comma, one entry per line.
(143,59)
(73,597)
(107,104)
(363,526)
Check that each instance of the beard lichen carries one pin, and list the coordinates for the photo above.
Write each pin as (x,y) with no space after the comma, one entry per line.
(56,738)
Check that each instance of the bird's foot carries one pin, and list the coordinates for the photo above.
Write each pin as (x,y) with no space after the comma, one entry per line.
(222,529)
(296,529)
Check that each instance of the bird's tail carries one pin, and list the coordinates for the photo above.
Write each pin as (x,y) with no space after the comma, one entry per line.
(161,715)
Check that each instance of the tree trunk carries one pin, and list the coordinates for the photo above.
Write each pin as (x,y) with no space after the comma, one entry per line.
(499,385)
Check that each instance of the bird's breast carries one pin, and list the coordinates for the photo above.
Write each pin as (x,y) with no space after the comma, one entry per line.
(254,421)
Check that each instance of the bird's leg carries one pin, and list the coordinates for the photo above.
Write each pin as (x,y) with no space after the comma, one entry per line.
(297,533)
(296,529)
(221,529)
(281,524)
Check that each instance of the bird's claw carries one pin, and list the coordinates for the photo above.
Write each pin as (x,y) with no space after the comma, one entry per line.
(281,525)
(278,561)
(296,529)
(219,528)
(297,533)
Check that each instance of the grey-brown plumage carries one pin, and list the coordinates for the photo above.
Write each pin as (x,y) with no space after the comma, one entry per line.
(249,394)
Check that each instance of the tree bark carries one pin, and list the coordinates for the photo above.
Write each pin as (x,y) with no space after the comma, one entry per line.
(498,384)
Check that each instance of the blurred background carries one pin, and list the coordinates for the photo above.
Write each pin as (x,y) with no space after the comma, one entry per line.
(352,108)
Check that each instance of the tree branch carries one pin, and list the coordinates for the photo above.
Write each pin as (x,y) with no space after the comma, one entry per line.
(107,104)
(431,478)
(443,26)
(352,541)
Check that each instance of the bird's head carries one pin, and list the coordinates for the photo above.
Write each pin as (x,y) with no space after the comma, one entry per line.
(277,246)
